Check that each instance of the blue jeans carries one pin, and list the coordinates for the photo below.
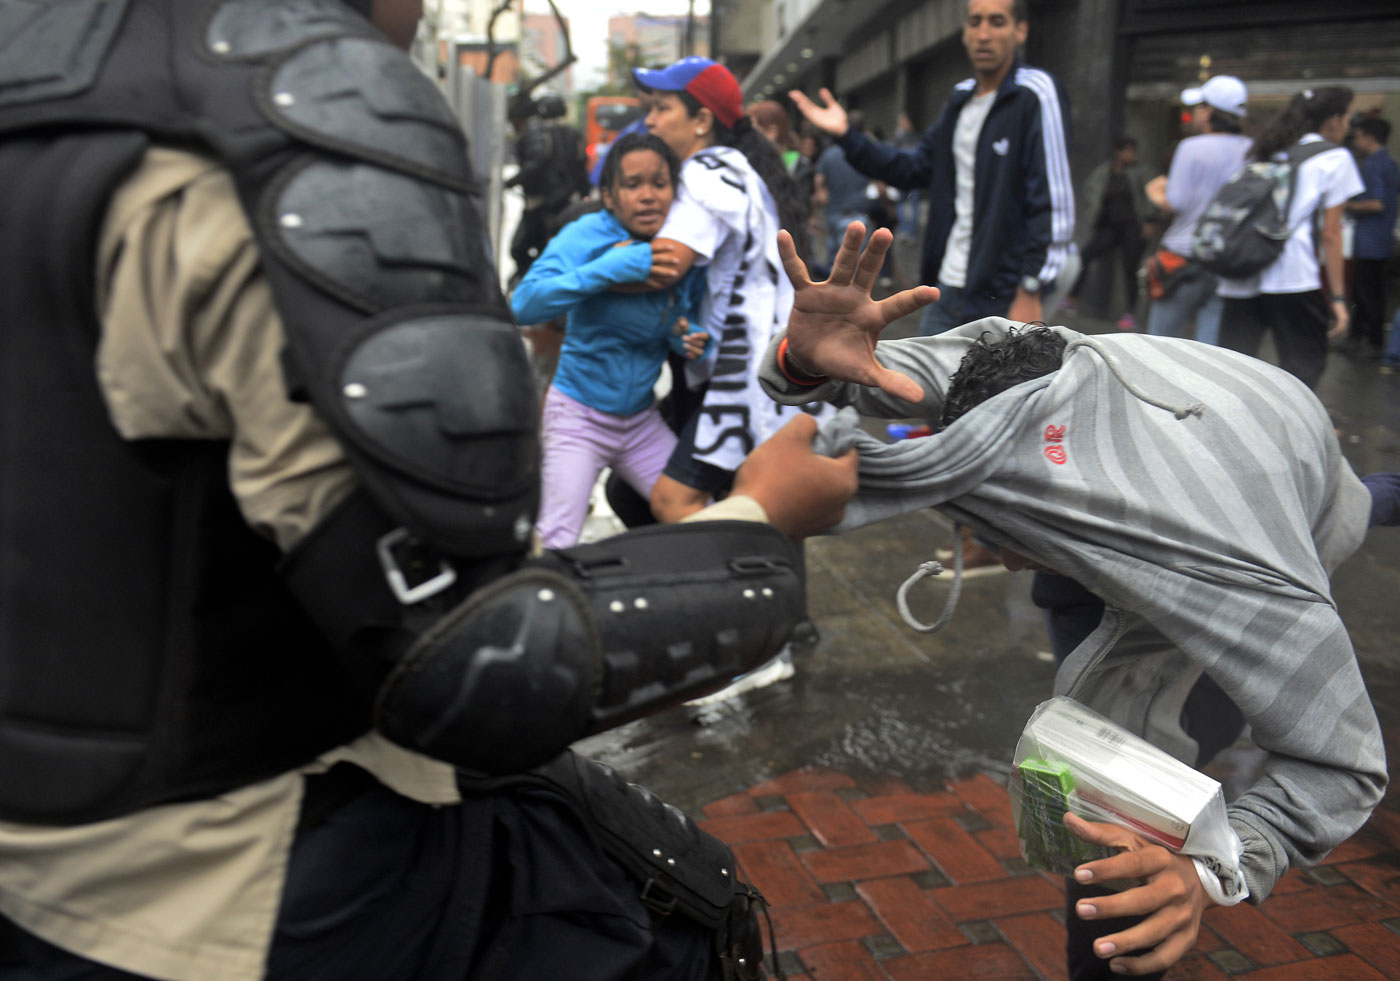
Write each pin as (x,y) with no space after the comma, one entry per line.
(908,213)
(1167,316)
(836,230)
(946,314)
(1391,356)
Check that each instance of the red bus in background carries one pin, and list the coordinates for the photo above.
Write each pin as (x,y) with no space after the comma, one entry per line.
(603,117)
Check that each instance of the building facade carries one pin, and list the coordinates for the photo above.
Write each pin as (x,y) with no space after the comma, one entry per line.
(658,40)
(1122,62)
(544,45)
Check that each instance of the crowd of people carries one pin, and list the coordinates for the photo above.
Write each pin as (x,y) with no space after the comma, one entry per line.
(1003,239)
(289,691)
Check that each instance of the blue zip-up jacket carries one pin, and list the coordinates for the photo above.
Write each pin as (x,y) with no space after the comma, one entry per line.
(614,343)
(1023,201)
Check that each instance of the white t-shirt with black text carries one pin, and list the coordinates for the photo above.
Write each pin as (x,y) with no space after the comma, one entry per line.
(725,213)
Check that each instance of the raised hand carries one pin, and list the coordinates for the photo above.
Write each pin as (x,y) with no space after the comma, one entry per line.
(829,116)
(835,324)
(1170,898)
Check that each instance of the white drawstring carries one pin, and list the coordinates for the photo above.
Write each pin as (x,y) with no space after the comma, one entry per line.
(933,568)
(1180,411)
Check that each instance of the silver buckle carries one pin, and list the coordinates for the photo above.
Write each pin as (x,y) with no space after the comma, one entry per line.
(398,582)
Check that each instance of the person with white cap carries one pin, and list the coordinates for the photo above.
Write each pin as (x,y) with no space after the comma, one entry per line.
(1202,164)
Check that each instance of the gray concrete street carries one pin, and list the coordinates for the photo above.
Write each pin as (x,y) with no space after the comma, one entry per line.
(874,698)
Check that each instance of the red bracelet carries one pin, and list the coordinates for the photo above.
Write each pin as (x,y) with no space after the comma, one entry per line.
(805,380)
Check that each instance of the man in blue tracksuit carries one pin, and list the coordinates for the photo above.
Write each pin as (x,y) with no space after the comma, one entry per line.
(1001,205)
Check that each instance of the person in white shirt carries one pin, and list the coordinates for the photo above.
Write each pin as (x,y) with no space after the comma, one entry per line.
(735,194)
(1200,167)
(1286,297)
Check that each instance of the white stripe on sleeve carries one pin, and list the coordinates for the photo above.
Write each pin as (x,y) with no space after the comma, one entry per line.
(1056,169)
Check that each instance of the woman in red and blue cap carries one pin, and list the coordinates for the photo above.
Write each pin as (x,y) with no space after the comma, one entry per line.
(735,195)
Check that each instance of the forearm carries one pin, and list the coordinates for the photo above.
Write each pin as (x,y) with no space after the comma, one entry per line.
(1368,206)
(898,168)
(1325,767)
(929,361)
(1296,814)
(735,507)
(552,288)
(1333,261)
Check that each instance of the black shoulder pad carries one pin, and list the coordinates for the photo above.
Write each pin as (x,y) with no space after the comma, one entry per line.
(48,50)
(448,400)
(400,120)
(253,28)
(439,414)
(380,240)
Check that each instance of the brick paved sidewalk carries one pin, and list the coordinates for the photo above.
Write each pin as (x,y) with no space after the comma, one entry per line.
(870,882)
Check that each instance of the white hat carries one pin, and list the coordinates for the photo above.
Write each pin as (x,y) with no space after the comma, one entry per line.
(1224,92)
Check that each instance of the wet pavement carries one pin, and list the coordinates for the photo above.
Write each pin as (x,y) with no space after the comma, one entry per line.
(925,727)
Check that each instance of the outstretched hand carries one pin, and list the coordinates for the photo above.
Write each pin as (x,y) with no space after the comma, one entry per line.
(829,116)
(834,324)
(1170,898)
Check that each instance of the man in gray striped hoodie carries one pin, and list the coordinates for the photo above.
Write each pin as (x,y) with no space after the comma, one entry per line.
(1200,493)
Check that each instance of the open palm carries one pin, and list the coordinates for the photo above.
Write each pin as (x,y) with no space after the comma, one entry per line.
(835,324)
(827,115)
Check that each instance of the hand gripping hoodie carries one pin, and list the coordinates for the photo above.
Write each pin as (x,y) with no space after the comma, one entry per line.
(1203,496)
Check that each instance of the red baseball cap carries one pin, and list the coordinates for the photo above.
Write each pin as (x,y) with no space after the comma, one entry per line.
(712,85)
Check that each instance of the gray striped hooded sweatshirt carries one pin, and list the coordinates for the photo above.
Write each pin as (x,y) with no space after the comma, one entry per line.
(1202,495)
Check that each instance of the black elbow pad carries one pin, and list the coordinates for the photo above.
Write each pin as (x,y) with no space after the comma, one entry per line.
(591,637)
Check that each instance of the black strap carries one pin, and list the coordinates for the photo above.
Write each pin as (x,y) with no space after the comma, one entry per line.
(681,868)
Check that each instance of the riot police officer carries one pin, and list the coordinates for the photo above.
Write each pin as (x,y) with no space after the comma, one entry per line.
(282,692)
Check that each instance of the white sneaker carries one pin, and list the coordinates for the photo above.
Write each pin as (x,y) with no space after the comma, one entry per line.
(780,668)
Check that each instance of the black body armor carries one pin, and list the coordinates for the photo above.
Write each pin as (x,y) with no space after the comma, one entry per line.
(152,648)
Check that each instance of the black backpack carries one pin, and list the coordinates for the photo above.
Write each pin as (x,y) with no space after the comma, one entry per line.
(1244,228)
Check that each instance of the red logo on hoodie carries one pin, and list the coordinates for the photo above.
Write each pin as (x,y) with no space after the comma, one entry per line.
(1055,452)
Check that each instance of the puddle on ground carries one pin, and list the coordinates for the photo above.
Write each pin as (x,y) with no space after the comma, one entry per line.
(921,726)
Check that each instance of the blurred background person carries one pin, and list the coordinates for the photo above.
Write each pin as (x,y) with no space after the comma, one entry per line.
(1373,239)
(1000,224)
(552,172)
(600,411)
(1286,298)
(906,137)
(845,188)
(771,119)
(1112,221)
(1181,289)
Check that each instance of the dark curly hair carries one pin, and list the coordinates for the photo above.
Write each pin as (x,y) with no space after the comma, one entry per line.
(629,143)
(992,366)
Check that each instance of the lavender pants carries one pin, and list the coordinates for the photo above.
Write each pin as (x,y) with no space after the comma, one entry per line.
(577,443)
